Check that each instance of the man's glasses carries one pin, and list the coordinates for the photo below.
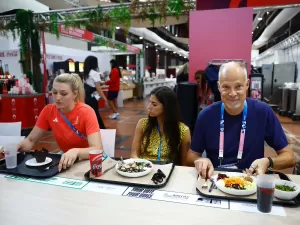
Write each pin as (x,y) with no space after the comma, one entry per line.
(158,177)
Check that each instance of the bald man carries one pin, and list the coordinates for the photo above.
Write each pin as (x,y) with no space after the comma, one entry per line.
(233,131)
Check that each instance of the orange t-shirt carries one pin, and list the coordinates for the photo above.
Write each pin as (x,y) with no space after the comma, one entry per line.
(82,117)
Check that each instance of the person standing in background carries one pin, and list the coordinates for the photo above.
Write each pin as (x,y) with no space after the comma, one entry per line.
(91,79)
(114,88)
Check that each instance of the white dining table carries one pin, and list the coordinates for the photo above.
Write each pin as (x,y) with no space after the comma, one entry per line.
(28,203)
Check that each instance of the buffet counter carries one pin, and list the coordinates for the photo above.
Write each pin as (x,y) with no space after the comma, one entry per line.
(127,90)
(21,108)
(150,85)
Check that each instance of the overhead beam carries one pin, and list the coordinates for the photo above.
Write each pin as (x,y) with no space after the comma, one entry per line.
(44,17)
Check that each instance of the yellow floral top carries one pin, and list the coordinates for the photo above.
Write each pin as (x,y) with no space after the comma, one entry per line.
(151,152)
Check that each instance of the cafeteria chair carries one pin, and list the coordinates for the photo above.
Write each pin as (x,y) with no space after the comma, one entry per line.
(108,137)
(10,129)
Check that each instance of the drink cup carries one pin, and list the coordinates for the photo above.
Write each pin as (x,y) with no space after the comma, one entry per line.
(265,193)
(96,162)
(10,152)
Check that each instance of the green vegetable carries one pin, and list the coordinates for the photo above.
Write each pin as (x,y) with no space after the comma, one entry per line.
(284,188)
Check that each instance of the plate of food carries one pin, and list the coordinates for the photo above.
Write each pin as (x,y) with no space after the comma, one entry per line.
(239,184)
(286,190)
(134,167)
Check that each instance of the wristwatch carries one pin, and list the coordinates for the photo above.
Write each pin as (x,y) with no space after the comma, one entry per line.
(270,164)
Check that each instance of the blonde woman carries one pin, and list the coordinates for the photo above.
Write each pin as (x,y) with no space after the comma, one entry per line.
(73,123)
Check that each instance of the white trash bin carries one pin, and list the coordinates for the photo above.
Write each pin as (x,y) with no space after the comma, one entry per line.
(120,99)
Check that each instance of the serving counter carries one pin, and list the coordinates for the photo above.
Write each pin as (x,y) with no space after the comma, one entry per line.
(150,85)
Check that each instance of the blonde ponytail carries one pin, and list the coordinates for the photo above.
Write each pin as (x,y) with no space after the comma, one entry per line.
(75,83)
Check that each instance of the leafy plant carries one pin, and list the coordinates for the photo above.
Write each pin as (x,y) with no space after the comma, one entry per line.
(54,24)
(175,7)
(25,28)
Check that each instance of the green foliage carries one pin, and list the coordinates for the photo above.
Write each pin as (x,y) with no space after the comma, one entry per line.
(26,29)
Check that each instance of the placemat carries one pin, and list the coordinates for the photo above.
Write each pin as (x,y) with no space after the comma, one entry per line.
(114,178)
(216,193)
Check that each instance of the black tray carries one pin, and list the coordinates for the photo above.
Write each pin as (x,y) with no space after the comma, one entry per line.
(295,202)
(37,172)
(153,186)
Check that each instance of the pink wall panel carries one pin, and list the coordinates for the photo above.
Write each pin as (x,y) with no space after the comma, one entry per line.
(219,34)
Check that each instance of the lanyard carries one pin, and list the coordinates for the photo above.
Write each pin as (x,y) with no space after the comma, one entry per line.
(242,135)
(160,144)
(71,126)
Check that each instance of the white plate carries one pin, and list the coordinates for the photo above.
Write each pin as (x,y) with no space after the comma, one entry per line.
(221,185)
(139,174)
(33,162)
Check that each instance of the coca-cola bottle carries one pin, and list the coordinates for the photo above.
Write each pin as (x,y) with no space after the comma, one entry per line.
(6,70)
(4,90)
(1,69)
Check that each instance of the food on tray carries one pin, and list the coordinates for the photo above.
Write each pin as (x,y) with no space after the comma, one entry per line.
(221,176)
(285,188)
(135,167)
(237,182)
(248,179)
(40,155)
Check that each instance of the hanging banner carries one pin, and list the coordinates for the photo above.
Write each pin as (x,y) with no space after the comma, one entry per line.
(221,4)
(133,49)
(89,36)
(76,33)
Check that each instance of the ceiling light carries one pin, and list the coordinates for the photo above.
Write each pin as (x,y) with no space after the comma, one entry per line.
(146,46)
(155,44)
(141,37)
(260,18)
(117,28)
(166,49)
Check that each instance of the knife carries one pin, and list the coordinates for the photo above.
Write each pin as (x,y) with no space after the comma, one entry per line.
(211,185)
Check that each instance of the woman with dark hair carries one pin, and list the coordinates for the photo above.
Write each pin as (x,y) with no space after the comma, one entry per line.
(162,136)
(114,88)
(91,79)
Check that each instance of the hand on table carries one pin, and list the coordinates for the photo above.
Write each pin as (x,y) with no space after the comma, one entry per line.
(204,167)
(68,159)
(258,167)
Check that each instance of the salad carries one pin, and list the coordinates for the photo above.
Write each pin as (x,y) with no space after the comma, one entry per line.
(135,167)
(237,182)
(285,188)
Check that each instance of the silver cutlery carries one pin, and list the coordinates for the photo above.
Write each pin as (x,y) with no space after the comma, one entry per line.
(212,185)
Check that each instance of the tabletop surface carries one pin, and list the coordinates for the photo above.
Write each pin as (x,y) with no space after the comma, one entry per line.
(34,204)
